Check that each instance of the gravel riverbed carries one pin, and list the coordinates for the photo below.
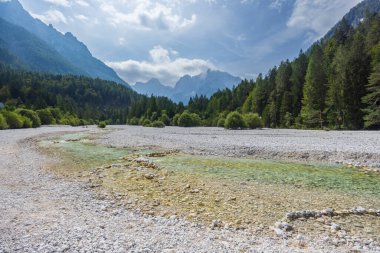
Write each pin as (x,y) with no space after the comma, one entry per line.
(41,212)
(348,147)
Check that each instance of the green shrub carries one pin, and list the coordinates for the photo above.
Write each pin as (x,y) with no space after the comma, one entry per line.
(46,117)
(234,120)
(27,123)
(56,113)
(146,123)
(32,115)
(84,122)
(13,120)
(289,120)
(141,121)
(165,119)
(189,119)
(252,120)
(134,121)
(158,124)
(3,122)
(70,119)
(221,122)
(102,124)
(175,119)
(154,116)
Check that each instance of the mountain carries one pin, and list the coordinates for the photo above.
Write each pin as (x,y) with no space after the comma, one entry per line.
(153,86)
(355,16)
(73,56)
(21,49)
(188,86)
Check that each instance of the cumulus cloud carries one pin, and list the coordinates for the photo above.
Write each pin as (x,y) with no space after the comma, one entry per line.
(51,16)
(318,15)
(160,66)
(147,15)
(64,3)
(81,17)
(82,3)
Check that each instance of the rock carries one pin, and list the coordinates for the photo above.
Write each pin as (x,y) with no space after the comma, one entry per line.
(300,237)
(372,212)
(358,210)
(294,215)
(168,251)
(194,191)
(284,226)
(216,224)
(328,211)
(227,226)
(141,159)
(149,176)
(335,226)
(279,232)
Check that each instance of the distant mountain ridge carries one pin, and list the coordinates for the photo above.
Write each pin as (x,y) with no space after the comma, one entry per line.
(21,49)
(188,86)
(68,54)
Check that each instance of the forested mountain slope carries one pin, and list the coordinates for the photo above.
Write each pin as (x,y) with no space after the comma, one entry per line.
(335,85)
(74,52)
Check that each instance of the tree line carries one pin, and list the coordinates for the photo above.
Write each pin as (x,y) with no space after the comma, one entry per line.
(335,84)
(72,100)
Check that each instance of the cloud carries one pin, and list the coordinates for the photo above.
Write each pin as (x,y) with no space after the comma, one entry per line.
(277,4)
(51,16)
(161,66)
(82,3)
(318,15)
(64,3)
(148,15)
(81,17)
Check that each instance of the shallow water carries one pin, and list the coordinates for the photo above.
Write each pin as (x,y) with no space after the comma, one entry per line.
(339,178)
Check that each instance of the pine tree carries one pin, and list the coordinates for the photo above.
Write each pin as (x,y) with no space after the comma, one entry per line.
(357,72)
(372,99)
(299,68)
(314,91)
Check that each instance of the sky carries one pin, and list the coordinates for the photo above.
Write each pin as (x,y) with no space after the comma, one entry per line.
(166,39)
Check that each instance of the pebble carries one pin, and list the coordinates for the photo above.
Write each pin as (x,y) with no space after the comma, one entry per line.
(335,226)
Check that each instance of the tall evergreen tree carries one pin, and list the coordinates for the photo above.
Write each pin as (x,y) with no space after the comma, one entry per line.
(336,81)
(357,72)
(299,68)
(372,99)
(314,91)
(283,95)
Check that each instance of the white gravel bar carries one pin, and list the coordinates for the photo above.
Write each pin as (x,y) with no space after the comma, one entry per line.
(360,148)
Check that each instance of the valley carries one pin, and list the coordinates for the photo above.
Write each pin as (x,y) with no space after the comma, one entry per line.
(189,126)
